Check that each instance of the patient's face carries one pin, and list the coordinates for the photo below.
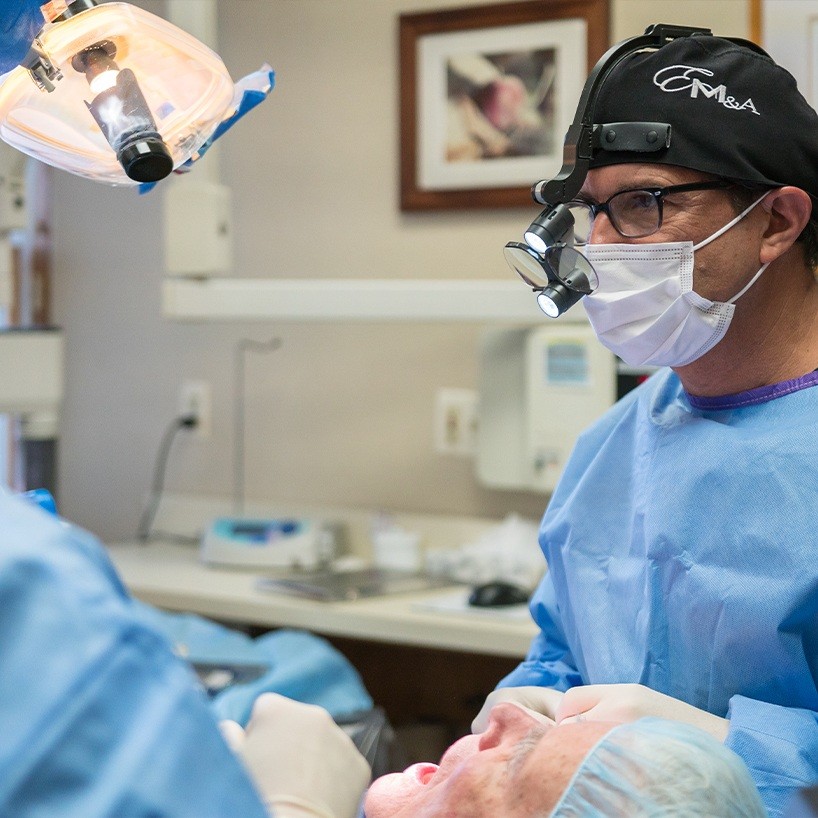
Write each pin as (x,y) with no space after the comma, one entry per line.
(518,768)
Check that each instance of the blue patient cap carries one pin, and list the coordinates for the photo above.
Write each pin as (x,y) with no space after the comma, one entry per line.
(654,768)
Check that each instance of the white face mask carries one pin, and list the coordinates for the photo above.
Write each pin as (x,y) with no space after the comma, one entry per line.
(645,310)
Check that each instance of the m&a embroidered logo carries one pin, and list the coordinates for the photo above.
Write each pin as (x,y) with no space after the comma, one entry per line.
(686,77)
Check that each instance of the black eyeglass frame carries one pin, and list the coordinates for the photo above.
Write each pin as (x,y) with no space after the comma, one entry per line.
(658,193)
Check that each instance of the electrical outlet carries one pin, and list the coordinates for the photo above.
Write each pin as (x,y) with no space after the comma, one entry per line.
(194,400)
(456,422)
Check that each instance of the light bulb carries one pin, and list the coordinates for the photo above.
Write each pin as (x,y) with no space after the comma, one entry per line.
(547,305)
(104,81)
(534,241)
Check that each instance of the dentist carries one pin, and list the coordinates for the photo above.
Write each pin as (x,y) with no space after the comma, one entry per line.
(682,580)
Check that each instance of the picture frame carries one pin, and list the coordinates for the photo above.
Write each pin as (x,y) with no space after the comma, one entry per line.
(756,22)
(486,96)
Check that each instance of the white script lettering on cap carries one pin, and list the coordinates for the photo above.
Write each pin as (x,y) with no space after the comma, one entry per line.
(680,78)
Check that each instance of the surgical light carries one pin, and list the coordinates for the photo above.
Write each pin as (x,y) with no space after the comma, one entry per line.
(123,115)
(113,93)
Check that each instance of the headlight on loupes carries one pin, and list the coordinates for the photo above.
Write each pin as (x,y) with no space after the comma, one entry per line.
(560,275)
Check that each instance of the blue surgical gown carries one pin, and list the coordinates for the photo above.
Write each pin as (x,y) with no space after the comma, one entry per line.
(20,20)
(98,718)
(683,555)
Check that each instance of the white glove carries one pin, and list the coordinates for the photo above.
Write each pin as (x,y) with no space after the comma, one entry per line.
(628,702)
(302,763)
(543,700)
(233,734)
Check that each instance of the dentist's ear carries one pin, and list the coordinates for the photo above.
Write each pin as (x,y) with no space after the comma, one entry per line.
(788,210)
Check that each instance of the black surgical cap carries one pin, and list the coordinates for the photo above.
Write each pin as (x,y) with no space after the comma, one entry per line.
(733,112)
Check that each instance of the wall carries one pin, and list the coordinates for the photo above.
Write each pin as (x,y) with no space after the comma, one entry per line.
(342,413)
(790,30)
(730,18)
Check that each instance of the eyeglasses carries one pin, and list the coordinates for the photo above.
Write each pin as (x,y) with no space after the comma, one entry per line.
(633,213)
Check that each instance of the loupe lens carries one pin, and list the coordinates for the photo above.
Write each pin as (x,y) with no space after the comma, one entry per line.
(527,264)
(571,268)
(561,278)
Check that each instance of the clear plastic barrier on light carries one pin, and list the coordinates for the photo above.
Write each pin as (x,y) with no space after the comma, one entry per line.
(168,82)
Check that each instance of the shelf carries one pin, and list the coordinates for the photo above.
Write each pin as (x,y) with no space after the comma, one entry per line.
(344,299)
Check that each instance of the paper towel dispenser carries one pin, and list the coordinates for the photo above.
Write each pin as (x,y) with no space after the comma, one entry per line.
(538,389)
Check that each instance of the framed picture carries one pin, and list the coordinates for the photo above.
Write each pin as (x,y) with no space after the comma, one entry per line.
(486,96)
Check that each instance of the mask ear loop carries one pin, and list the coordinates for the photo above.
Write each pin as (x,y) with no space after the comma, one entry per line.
(749,284)
(724,230)
(729,224)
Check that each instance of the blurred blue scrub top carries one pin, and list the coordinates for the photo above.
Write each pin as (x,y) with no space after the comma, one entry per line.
(97,717)
(20,20)
(683,555)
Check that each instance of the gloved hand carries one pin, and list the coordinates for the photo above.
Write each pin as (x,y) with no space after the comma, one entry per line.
(20,20)
(628,702)
(302,763)
(543,700)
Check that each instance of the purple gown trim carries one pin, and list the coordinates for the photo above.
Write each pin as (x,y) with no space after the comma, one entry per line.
(762,394)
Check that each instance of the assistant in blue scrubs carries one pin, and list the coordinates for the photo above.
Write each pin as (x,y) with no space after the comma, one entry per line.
(97,716)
